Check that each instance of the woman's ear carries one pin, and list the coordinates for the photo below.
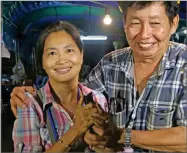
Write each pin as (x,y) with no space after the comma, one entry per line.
(82,56)
(175,24)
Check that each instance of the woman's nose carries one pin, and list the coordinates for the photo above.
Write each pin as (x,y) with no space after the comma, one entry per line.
(61,62)
(62,59)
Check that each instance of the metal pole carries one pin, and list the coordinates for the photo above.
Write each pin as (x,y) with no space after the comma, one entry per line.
(9,21)
(15,49)
(90,13)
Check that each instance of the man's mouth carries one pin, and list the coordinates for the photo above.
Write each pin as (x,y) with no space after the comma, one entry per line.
(146,45)
(63,70)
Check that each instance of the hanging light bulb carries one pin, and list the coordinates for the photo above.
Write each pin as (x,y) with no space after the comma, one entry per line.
(107,19)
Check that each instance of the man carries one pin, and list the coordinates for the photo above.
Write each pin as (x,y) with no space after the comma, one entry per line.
(146,84)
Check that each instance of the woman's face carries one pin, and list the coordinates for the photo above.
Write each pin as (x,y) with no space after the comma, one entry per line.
(62,59)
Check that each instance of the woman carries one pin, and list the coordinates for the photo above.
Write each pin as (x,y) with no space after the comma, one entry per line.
(59,116)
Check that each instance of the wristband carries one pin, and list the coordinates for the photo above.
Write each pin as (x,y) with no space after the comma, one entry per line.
(128,145)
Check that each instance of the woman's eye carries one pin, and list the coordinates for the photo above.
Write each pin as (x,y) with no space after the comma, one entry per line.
(69,50)
(52,53)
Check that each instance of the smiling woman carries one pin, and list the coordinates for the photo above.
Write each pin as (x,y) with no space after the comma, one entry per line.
(60,53)
(62,58)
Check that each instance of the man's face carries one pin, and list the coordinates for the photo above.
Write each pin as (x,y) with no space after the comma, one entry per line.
(148,30)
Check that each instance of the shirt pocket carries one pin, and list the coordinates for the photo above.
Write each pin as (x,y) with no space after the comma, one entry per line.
(120,119)
(120,111)
(159,118)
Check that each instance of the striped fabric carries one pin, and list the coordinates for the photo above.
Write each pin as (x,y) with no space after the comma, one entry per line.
(163,104)
(30,133)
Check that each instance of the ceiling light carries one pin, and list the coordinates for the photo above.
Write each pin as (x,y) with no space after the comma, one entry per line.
(107,19)
(93,37)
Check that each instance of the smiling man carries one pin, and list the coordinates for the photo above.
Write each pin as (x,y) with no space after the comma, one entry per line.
(146,83)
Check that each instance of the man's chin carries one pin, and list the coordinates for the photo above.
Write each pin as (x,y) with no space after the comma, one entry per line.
(146,53)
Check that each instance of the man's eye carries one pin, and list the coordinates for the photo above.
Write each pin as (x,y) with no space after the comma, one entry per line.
(52,53)
(155,23)
(135,23)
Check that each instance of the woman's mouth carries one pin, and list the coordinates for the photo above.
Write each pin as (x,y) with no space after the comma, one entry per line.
(63,70)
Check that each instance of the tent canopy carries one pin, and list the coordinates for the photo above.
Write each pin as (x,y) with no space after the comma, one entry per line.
(24,20)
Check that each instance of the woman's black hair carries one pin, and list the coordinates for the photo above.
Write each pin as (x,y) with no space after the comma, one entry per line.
(55,27)
(171,7)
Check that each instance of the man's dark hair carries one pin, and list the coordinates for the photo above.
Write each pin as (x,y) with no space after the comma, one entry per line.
(55,27)
(171,7)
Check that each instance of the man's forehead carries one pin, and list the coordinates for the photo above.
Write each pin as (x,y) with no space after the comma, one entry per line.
(139,6)
(153,10)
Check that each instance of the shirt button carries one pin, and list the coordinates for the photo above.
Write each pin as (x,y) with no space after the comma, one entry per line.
(133,116)
(163,111)
(20,145)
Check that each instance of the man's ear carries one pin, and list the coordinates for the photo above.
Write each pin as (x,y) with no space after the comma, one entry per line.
(124,27)
(175,24)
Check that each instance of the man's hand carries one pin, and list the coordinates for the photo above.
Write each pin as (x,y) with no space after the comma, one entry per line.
(106,134)
(106,138)
(19,99)
(102,150)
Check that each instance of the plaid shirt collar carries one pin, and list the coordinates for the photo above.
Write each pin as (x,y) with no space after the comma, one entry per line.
(48,98)
(127,66)
(168,61)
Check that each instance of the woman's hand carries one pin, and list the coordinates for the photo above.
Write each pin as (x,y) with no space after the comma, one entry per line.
(84,116)
(19,99)
(101,117)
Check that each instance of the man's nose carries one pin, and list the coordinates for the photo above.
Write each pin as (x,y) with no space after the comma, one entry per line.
(146,31)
